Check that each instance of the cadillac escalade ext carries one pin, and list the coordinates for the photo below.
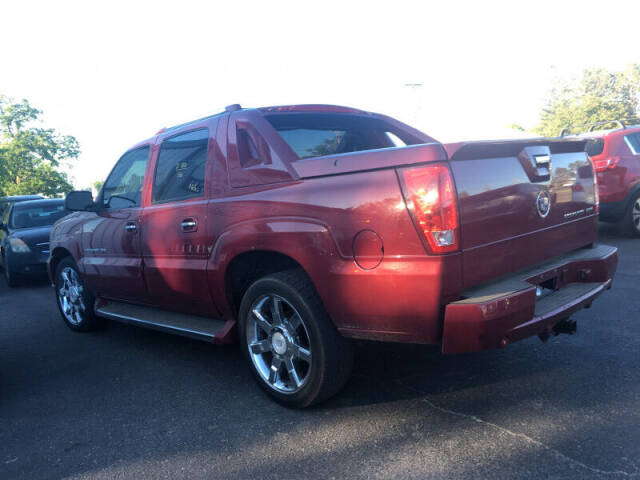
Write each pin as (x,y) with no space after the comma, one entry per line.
(296,229)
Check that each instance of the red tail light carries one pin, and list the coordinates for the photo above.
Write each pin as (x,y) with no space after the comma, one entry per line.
(596,200)
(605,163)
(431,200)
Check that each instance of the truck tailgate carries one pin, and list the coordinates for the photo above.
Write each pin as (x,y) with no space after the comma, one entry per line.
(521,203)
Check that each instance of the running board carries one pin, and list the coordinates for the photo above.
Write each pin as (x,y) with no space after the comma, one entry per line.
(200,328)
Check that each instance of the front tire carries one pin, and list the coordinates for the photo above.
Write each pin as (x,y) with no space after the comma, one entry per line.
(11,278)
(74,300)
(294,350)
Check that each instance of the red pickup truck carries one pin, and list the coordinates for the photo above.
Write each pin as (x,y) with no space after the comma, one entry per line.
(299,228)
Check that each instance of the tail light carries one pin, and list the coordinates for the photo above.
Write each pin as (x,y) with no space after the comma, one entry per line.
(596,199)
(605,163)
(431,200)
(600,166)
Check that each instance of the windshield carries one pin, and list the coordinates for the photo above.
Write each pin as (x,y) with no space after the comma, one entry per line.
(24,216)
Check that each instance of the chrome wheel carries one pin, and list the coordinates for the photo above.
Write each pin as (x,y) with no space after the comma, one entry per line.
(70,296)
(635,214)
(279,344)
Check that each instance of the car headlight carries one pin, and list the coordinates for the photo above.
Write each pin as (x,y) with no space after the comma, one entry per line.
(18,245)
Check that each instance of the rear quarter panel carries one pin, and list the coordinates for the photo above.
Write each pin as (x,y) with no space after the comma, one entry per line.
(314,221)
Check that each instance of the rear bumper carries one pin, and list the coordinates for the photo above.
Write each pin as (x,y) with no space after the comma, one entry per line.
(496,314)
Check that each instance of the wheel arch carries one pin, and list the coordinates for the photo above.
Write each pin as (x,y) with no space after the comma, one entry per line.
(247,267)
(249,250)
(633,191)
(57,254)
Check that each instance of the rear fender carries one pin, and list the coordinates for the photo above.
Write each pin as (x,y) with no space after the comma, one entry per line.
(306,241)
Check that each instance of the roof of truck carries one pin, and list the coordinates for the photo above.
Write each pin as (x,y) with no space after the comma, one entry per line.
(303,108)
(311,107)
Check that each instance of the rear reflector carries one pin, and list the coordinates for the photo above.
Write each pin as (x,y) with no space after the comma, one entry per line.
(431,200)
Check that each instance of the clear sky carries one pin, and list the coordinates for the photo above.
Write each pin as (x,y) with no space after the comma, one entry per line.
(113,73)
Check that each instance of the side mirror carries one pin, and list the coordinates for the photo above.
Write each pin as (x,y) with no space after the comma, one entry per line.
(79,201)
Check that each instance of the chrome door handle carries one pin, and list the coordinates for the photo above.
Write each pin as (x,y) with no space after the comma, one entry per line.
(189,225)
(131,227)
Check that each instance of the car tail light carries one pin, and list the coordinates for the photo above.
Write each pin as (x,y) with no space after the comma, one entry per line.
(431,201)
(596,199)
(605,163)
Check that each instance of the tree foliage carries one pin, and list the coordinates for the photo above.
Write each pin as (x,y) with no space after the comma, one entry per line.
(30,156)
(97,185)
(597,96)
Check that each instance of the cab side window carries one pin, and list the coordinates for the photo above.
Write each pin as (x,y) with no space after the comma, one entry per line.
(180,170)
(123,188)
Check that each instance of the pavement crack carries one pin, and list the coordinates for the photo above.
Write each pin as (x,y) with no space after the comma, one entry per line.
(556,453)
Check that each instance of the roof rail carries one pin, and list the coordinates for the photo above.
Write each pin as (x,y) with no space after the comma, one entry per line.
(592,126)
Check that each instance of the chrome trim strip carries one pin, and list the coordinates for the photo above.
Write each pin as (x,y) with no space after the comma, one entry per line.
(198,335)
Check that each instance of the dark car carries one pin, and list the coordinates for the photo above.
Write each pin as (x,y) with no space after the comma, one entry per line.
(6,202)
(298,228)
(24,247)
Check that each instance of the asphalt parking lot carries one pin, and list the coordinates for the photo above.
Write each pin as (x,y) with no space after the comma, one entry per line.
(132,403)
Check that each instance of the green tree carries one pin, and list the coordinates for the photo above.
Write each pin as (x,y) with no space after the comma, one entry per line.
(30,156)
(597,96)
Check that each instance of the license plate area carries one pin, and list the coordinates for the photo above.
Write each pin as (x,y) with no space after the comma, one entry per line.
(547,287)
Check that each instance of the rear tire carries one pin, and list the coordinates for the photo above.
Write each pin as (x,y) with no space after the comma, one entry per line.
(295,352)
(631,221)
(74,300)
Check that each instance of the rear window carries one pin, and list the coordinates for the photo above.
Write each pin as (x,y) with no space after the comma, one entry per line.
(594,147)
(315,135)
(37,215)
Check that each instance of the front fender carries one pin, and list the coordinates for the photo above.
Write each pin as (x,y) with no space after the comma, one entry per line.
(66,236)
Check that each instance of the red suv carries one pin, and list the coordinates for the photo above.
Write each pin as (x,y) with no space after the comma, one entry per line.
(295,229)
(616,159)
